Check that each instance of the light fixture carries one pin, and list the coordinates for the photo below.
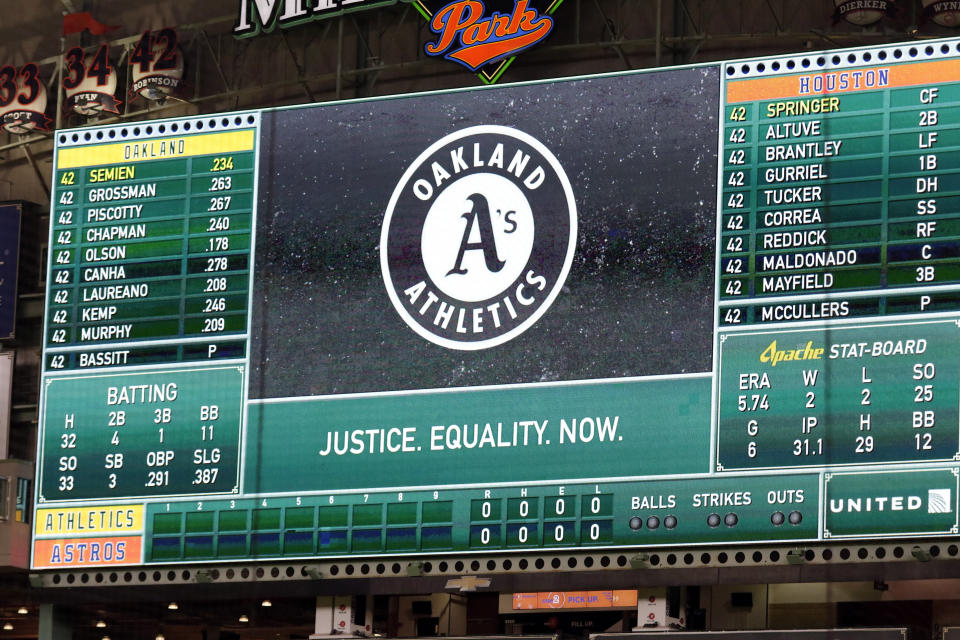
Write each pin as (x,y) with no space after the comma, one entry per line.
(159,637)
(105,638)
(243,618)
(266,603)
(172,606)
(101,624)
(7,626)
(22,611)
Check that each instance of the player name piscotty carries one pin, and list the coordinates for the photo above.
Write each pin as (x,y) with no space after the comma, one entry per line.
(114,214)
(123,192)
(808,260)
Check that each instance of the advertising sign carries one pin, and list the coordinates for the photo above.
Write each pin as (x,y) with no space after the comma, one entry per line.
(696,306)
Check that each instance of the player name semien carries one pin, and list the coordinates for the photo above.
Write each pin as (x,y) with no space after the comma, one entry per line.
(802,150)
(125,172)
(809,260)
(796,282)
(113,214)
(116,292)
(125,232)
(124,192)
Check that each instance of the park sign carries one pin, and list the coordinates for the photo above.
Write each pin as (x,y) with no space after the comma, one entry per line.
(484,37)
(701,306)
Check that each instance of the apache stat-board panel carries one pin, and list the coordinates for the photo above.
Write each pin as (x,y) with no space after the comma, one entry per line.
(705,305)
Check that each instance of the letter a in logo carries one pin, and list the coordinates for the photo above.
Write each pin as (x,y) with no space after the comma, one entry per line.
(478,217)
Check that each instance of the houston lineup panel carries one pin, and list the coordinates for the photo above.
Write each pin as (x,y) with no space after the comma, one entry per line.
(704,305)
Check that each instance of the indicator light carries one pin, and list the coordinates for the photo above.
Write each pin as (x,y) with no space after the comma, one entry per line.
(731,520)
(777,518)
(653,522)
(713,520)
(670,522)
(636,523)
(795,517)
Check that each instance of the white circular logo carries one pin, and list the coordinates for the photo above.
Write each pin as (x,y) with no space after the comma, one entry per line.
(478,237)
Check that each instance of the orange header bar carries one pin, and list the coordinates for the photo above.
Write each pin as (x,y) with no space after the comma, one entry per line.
(86,552)
(843,81)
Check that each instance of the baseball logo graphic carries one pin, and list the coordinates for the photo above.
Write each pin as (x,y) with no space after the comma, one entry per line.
(478,237)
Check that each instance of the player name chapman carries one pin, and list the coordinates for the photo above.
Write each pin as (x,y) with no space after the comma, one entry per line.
(478,237)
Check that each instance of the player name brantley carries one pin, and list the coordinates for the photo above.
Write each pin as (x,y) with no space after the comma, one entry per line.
(475,435)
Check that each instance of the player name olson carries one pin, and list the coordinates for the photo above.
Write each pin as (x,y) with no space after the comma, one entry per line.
(105,332)
(154,149)
(804,311)
(114,214)
(802,150)
(794,173)
(809,260)
(107,519)
(108,174)
(109,272)
(796,282)
(120,232)
(792,195)
(784,130)
(116,292)
(124,192)
(789,239)
(792,217)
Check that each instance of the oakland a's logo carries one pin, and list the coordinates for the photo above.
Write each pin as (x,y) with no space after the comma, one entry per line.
(478,237)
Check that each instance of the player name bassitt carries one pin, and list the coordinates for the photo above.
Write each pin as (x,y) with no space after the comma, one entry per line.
(478,237)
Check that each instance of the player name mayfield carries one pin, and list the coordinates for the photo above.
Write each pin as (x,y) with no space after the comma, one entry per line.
(492,435)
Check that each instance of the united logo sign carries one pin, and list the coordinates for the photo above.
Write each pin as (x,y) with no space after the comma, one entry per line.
(478,237)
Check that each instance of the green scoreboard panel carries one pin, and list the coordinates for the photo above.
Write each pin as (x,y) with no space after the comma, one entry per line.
(705,305)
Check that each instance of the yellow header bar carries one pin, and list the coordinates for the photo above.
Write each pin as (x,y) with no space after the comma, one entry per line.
(156,149)
(125,518)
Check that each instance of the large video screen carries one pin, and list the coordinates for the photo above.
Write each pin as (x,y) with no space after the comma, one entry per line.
(692,306)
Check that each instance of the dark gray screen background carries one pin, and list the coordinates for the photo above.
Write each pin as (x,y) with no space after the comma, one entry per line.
(641,154)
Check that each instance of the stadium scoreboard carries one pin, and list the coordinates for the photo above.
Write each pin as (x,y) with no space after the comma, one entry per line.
(706,305)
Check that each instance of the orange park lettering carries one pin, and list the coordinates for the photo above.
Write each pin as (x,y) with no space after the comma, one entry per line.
(473,41)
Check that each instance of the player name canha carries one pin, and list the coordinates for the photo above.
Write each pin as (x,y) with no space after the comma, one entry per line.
(99,274)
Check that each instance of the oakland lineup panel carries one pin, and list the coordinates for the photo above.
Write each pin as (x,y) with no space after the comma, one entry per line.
(704,305)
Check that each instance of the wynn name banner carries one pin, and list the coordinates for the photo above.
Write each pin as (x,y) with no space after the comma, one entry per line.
(709,305)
